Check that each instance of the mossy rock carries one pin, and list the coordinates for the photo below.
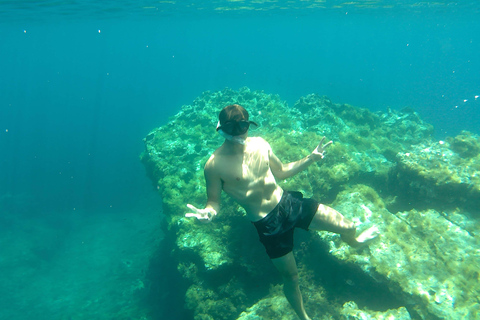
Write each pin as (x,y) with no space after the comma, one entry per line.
(466,144)
(431,175)
(223,260)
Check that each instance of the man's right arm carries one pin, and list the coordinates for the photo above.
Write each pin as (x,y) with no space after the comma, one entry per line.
(214,187)
(214,191)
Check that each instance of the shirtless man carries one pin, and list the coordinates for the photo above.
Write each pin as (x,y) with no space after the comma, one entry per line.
(247,170)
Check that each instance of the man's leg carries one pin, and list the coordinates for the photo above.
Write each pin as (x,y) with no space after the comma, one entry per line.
(329,219)
(287,267)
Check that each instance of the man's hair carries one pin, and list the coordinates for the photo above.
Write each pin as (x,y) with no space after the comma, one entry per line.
(233,112)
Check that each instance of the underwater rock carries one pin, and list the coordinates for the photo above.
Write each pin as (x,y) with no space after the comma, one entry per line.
(351,311)
(428,259)
(466,144)
(433,175)
(383,169)
(272,307)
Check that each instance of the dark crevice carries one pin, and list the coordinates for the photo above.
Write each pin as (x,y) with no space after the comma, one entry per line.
(166,287)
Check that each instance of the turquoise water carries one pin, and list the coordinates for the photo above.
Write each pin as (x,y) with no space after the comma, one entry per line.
(81,83)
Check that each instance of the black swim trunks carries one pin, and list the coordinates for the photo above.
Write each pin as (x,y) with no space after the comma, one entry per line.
(276,228)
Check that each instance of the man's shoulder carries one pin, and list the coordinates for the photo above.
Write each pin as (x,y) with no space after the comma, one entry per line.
(214,158)
(210,160)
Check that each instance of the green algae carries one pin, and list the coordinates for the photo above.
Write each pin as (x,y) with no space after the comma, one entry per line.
(383,169)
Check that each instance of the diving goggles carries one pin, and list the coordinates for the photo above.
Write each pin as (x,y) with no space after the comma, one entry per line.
(236,128)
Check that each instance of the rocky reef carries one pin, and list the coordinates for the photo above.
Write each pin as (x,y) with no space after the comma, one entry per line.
(384,169)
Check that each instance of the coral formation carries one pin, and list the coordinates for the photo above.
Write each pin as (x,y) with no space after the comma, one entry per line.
(383,169)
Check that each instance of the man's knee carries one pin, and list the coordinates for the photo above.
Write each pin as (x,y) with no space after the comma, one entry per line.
(349,231)
(290,277)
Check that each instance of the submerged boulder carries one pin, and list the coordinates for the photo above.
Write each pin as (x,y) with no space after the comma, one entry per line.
(384,169)
(432,174)
(465,144)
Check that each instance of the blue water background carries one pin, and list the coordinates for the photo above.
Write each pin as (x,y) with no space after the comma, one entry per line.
(80,89)
(79,94)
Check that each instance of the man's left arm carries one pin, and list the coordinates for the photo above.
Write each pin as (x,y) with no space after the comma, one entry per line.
(283,171)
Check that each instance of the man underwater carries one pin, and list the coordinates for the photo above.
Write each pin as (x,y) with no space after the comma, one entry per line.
(247,169)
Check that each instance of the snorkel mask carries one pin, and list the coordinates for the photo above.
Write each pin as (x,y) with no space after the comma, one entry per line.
(232,130)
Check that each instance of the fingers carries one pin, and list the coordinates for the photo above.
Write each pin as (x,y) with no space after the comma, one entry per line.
(196,212)
(323,146)
(196,215)
(328,143)
(192,207)
(200,214)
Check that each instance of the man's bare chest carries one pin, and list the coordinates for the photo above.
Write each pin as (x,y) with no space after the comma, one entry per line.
(246,167)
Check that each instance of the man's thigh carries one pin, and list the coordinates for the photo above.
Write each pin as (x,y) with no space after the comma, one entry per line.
(286,265)
(329,219)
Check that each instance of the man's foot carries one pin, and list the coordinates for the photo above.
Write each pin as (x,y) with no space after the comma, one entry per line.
(367,236)
(362,240)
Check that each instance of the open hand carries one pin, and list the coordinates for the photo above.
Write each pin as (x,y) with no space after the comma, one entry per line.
(319,152)
(201,214)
